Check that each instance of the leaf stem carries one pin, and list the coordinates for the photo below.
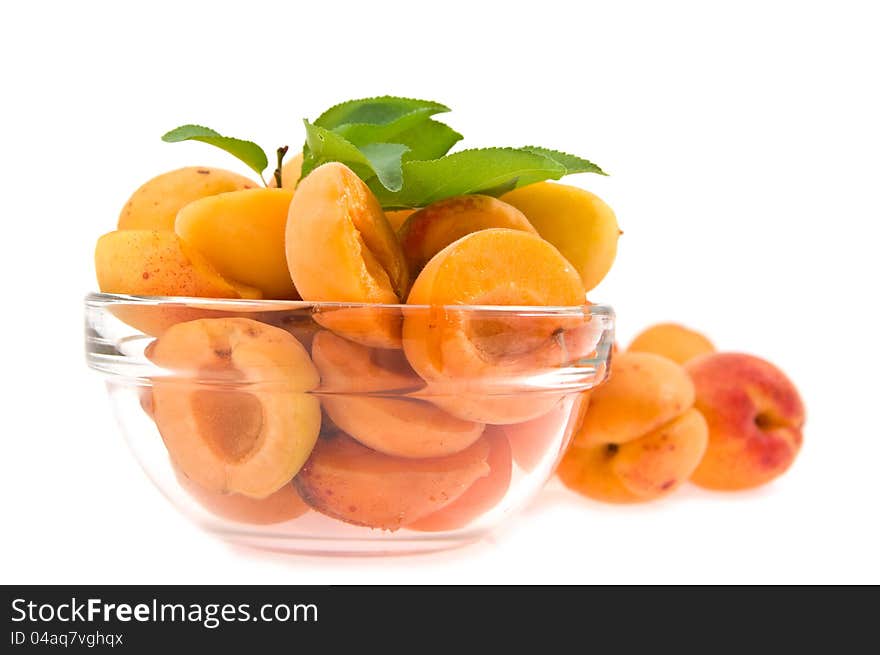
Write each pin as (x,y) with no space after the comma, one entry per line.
(281,152)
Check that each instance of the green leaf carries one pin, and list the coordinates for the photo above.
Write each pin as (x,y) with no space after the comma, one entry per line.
(247,151)
(429,139)
(482,170)
(322,146)
(372,120)
(381,161)
(385,160)
(379,111)
(572,163)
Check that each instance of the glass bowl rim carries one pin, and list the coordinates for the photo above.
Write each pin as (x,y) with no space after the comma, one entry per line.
(101,300)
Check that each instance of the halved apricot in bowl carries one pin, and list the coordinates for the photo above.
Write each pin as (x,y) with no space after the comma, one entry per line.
(481,496)
(348,481)
(233,407)
(481,364)
(352,381)
(341,248)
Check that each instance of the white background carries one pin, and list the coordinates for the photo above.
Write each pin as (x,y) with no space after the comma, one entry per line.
(743,144)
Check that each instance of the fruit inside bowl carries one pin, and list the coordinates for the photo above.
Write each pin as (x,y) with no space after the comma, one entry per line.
(384,349)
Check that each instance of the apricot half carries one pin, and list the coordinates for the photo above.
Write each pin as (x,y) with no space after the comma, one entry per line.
(471,358)
(350,482)
(481,496)
(155,204)
(233,407)
(340,247)
(242,234)
(431,229)
(391,425)
(574,220)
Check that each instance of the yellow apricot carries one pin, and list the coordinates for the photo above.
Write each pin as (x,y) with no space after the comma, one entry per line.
(577,222)
(242,234)
(155,204)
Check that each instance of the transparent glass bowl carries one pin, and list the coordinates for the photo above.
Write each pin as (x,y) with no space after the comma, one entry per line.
(346,428)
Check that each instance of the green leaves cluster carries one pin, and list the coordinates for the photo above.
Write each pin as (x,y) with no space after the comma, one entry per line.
(400,150)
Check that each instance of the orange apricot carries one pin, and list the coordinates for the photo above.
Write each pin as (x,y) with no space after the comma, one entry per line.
(242,234)
(639,436)
(352,483)
(644,392)
(282,505)
(155,204)
(233,406)
(156,263)
(391,425)
(755,416)
(481,496)
(472,359)
(431,229)
(671,340)
(649,467)
(341,248)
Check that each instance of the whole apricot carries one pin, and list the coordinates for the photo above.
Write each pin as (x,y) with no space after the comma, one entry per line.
(755,416)
(431,229)
(242,234)
(155,204)
(574,220)
(673,341)
(640,437)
